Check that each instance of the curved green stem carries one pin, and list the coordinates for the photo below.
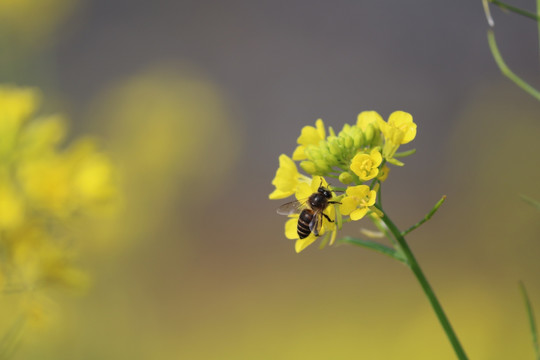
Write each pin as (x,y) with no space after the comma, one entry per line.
(514,9)
(415,267)
(506,70)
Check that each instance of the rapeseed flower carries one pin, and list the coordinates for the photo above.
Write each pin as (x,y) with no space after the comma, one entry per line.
(356,157)
(358,201)
(366,166)
(400,129)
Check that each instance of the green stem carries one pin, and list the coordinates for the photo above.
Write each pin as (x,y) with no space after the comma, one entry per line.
(515,9)
(537,21)
(415,267)
(506,71)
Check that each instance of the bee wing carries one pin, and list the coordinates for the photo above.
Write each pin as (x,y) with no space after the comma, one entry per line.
(316,223)
(293,207)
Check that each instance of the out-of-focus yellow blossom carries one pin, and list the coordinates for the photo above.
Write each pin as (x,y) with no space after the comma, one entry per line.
(366,166)
(400,129)
(358,201)
(11,207)
(77,179)
(287,178)
(44,188)
(309,136)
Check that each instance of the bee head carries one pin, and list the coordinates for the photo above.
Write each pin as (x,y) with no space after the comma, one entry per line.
(325,192)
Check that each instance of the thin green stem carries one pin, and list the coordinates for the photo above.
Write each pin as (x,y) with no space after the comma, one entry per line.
(506,71)
(538,22)
(514,9)
(532,322)
(415,267)
(426,218)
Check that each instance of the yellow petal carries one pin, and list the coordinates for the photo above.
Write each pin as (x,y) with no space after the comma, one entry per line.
(359,213)
(279,194)
(320,129)
(299,153)
(404,122)
(376,157)
(301,244)
(359,191)
(366,118)
(303,191)
(291,228)
(348,204)
(372,198)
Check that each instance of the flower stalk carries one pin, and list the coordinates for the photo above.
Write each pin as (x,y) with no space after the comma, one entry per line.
(428,290)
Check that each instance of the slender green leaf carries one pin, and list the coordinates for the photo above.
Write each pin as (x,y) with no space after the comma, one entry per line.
(426,218)
(375,246)
(530,201)
(532,321)
(406,153)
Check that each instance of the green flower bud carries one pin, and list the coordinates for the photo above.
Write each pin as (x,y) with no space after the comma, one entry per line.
(369,133)
(346,178)
(334,148)
(309,167)
(349,142)
(358,140)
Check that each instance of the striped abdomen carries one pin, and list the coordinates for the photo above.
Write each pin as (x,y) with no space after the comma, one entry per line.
(303,223)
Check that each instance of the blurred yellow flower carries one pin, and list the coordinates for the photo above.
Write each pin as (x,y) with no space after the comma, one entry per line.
(366,166)
(358,201)
(43,188)
(309,136)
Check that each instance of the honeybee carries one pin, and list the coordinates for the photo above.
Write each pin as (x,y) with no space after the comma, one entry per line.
(311,211)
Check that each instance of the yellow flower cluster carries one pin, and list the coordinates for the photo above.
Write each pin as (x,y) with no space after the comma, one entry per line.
(44,185)
(358,154)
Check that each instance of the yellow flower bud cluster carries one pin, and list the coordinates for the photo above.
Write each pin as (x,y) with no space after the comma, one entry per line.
(44,186)
(358,154)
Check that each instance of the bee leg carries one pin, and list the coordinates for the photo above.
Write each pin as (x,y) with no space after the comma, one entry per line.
(334,202)
(327,218)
